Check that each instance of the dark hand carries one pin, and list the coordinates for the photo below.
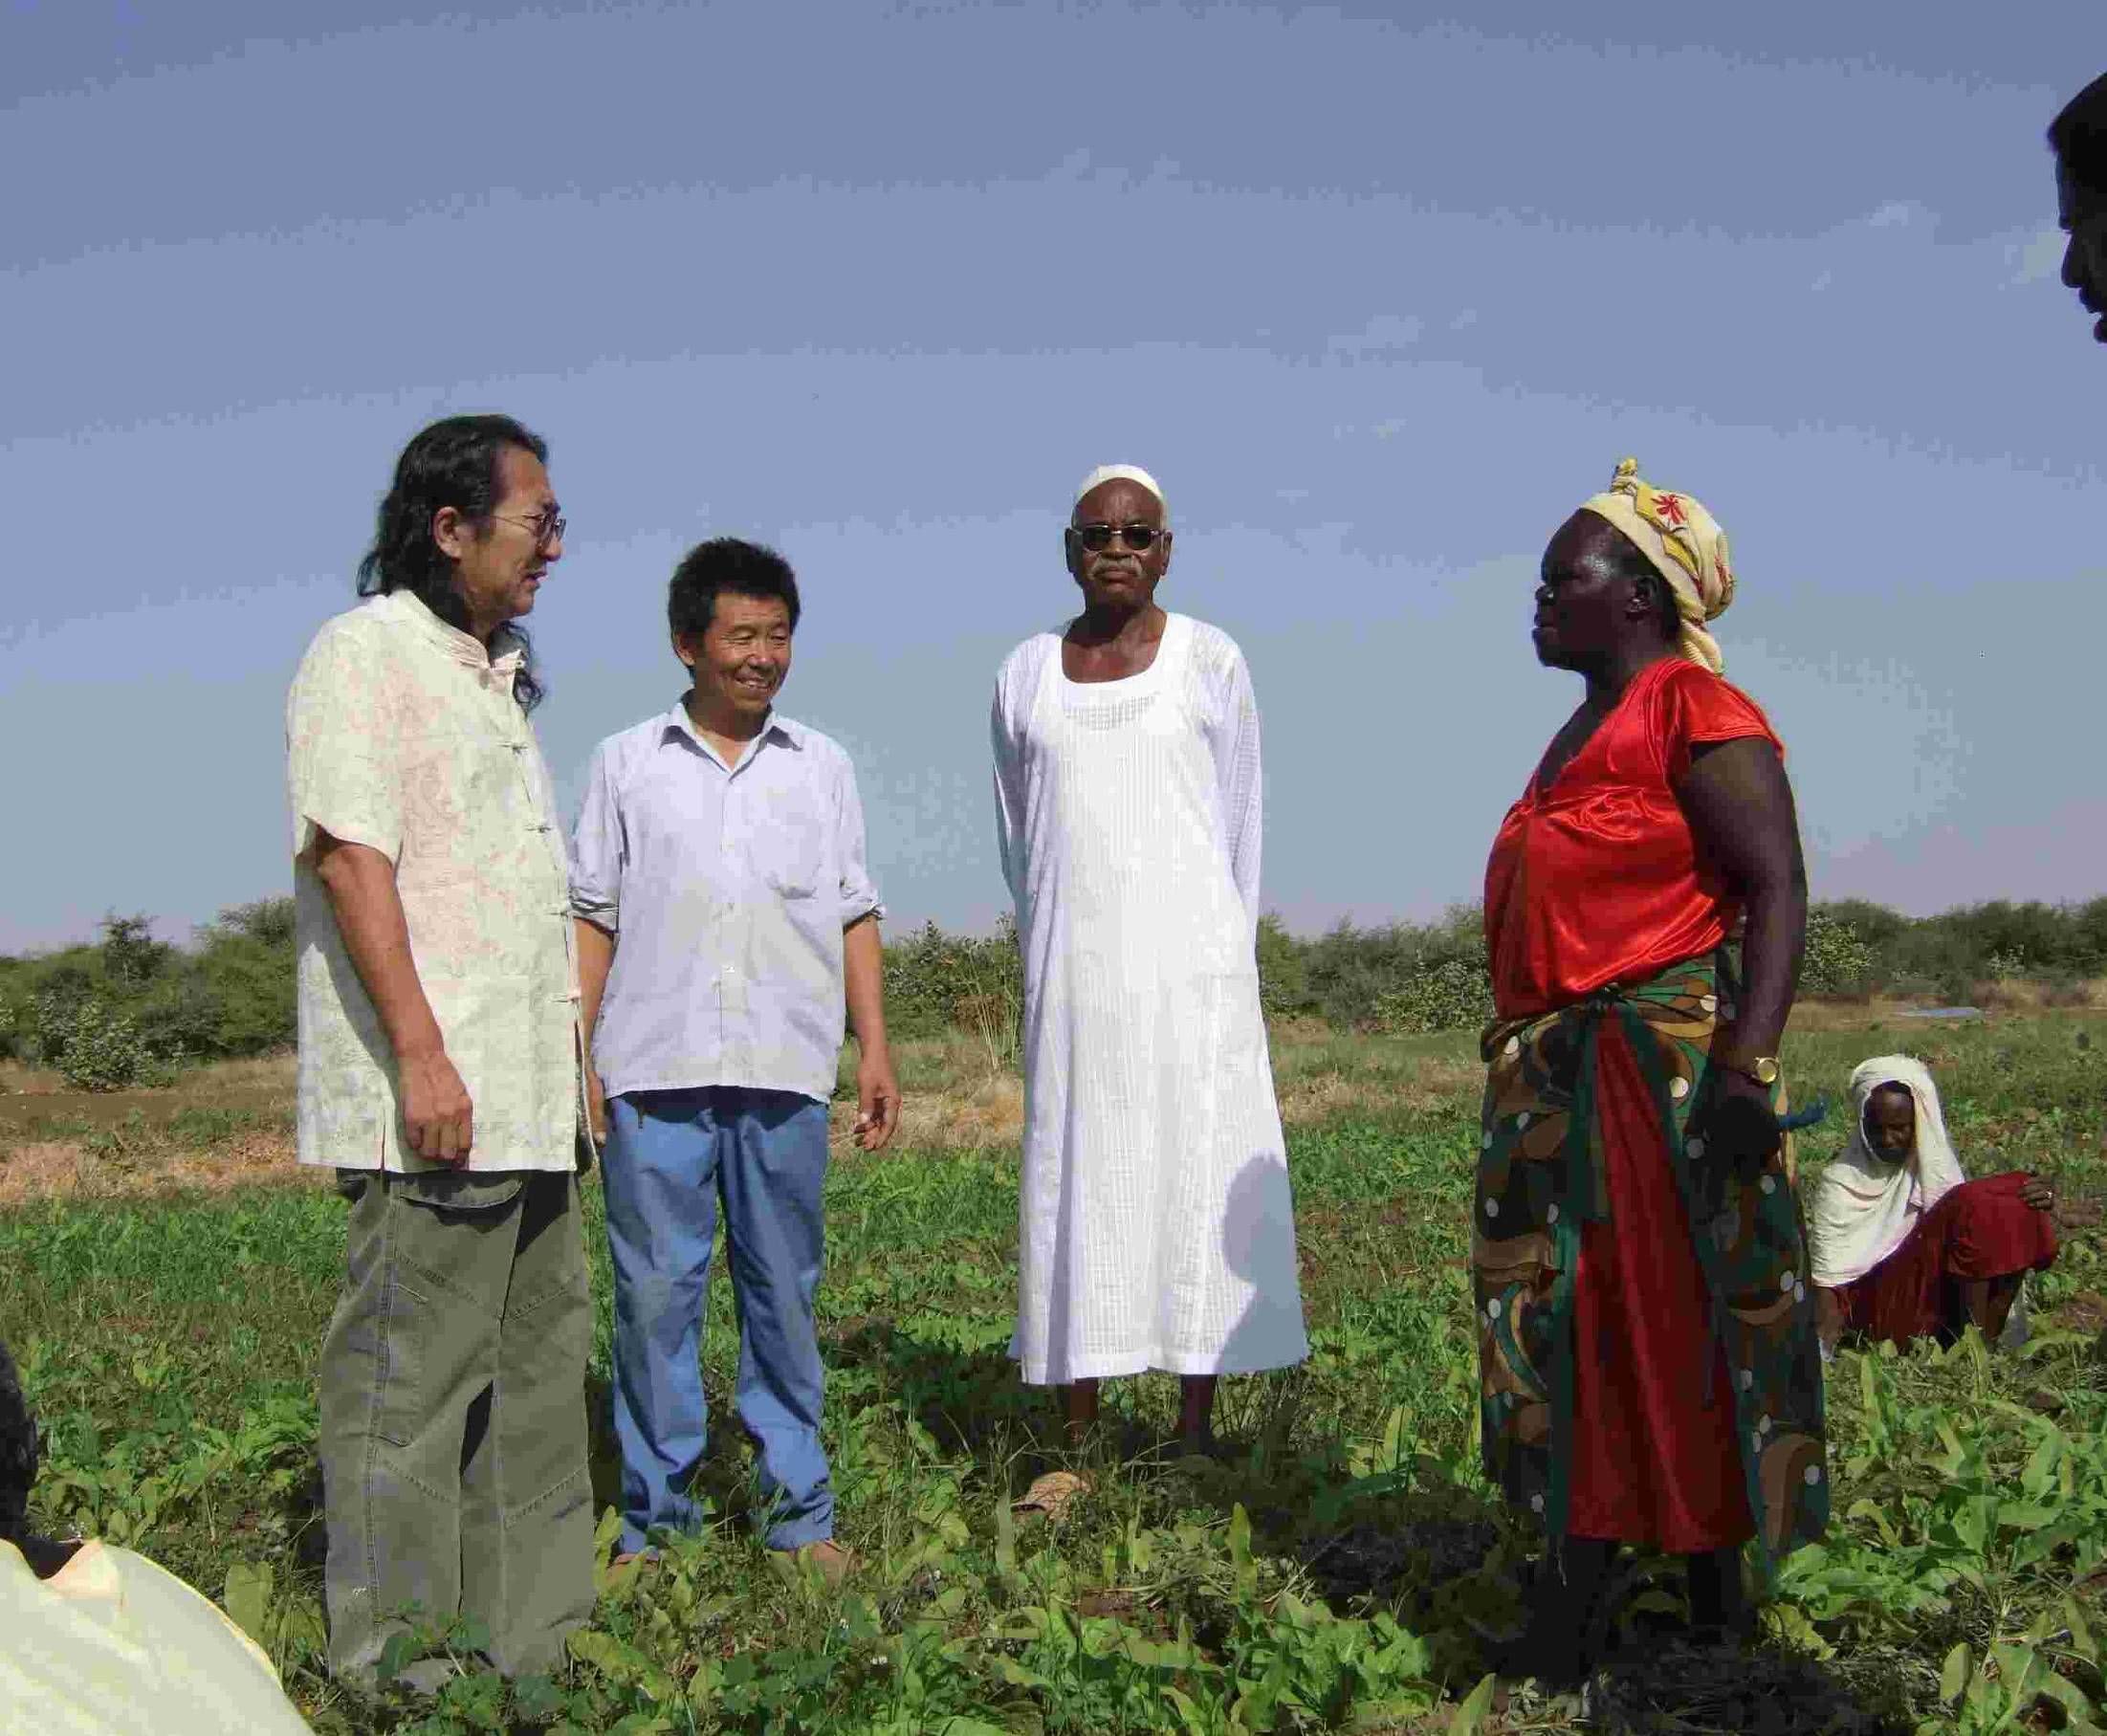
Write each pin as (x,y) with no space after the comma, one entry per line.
(2037,1193)
(1828,1316)
(1736,1122)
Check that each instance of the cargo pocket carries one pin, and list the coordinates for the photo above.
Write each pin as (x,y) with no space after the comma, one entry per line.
(436,1332)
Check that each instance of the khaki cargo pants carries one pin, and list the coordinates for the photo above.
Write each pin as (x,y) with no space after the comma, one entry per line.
(453,1416)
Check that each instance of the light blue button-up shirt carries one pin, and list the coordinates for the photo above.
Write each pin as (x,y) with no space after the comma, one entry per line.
(727,889)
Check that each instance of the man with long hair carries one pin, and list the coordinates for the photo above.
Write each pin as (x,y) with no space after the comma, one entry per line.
(2079,137)
(439,1070)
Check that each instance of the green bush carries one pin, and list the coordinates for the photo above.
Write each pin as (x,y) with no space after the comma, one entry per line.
(1453,995)
(1837,962)
(1947,956)
(131,1006)
(97,1046)
(935,982)
(1399,977)
(242,979)
(1283,972)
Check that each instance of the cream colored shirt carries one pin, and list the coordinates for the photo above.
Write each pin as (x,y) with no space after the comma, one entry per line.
(402,734)
(113,1646)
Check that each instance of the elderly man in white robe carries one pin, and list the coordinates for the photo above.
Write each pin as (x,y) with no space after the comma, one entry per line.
(1157,1228)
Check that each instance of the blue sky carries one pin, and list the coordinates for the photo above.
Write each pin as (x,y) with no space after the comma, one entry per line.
(1379,293)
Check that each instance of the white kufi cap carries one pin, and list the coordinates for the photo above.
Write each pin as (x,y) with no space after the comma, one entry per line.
(1123,472)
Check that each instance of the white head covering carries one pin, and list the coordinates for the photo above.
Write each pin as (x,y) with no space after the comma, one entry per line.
(1122,473)
(1865,1206)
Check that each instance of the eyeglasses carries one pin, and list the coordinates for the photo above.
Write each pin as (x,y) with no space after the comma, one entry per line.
(547,527)
(1097,536)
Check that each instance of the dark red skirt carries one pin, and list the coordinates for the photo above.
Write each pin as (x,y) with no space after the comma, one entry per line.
(1981,1229)
(1655,1459)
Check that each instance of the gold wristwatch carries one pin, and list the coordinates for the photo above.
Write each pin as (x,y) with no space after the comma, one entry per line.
(1764,1070)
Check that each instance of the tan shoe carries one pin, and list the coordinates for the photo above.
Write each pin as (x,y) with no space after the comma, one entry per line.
(834,1562)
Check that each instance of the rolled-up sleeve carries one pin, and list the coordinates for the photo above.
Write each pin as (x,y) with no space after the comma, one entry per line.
(596,849)
(342,770)
(859,896)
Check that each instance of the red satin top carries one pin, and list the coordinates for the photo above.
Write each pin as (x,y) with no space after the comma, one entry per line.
(1597,879)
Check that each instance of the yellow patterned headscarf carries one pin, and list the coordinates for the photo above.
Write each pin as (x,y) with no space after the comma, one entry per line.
(1686,548)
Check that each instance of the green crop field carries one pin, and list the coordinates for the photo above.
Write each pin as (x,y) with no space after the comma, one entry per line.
(1344,1567)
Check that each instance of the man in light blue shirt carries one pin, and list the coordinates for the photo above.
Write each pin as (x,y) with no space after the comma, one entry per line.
(725,925)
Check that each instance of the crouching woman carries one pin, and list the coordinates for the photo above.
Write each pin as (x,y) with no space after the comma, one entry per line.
(1903,1244)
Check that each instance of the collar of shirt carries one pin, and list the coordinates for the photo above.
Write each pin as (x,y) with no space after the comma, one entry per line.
(676,721)
(465,649)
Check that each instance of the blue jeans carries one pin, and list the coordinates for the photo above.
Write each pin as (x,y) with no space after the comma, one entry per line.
(670,1154)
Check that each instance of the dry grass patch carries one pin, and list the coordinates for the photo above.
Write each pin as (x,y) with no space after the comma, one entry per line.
(45,1170)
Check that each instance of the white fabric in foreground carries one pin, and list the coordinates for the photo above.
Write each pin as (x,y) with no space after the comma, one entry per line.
(115,1645)
(1157,1228)
(1124,473)
(1865,1206)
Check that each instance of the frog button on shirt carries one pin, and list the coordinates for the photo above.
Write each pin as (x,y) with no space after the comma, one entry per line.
(728,887)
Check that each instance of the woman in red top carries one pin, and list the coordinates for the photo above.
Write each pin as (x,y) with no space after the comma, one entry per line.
(1649,1366)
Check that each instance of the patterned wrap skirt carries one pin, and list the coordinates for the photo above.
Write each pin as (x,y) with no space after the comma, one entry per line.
(1648,1361)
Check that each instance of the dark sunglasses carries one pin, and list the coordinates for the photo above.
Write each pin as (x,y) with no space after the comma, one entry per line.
(1099,536)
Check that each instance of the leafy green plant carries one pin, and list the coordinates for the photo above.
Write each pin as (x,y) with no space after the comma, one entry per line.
(1453,995)
(1837,963)
(96,1048)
